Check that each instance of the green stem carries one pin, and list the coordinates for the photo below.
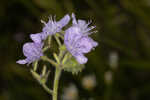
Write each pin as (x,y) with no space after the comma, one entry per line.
(56,58)
(49,40)
(57,40)
(46,48)
(37,77)
(47,89)
(56,82)
(35,65)
(45,58)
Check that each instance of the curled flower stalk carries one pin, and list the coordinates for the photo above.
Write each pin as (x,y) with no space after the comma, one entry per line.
(73,43)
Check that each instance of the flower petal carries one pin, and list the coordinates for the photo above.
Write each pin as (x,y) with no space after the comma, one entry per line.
(64,21)
(74,19)
(71,33)
(85,44)
(22,61)
(28,49)
(32,50)
(94,43)
(81,59)
(36,37)
(82,23)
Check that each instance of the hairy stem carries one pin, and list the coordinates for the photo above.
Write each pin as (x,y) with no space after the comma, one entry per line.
(56,82)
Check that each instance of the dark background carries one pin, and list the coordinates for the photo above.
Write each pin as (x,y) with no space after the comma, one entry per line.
(123,27)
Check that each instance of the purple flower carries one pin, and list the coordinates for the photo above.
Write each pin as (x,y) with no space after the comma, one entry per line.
(38,37)
(50,28)
(32,51)
(82,26)
(77,40)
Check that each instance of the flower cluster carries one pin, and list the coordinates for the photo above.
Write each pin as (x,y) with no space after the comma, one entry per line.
(50,28)
(76,39)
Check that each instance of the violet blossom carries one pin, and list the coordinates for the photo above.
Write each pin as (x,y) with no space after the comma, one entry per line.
(32,51)
(82,26)
(77,40)
(50,28)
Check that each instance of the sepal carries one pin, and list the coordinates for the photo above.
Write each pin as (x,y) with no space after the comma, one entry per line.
(71,65)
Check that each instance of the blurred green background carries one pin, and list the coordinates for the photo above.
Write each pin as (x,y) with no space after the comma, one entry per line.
(119,68)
